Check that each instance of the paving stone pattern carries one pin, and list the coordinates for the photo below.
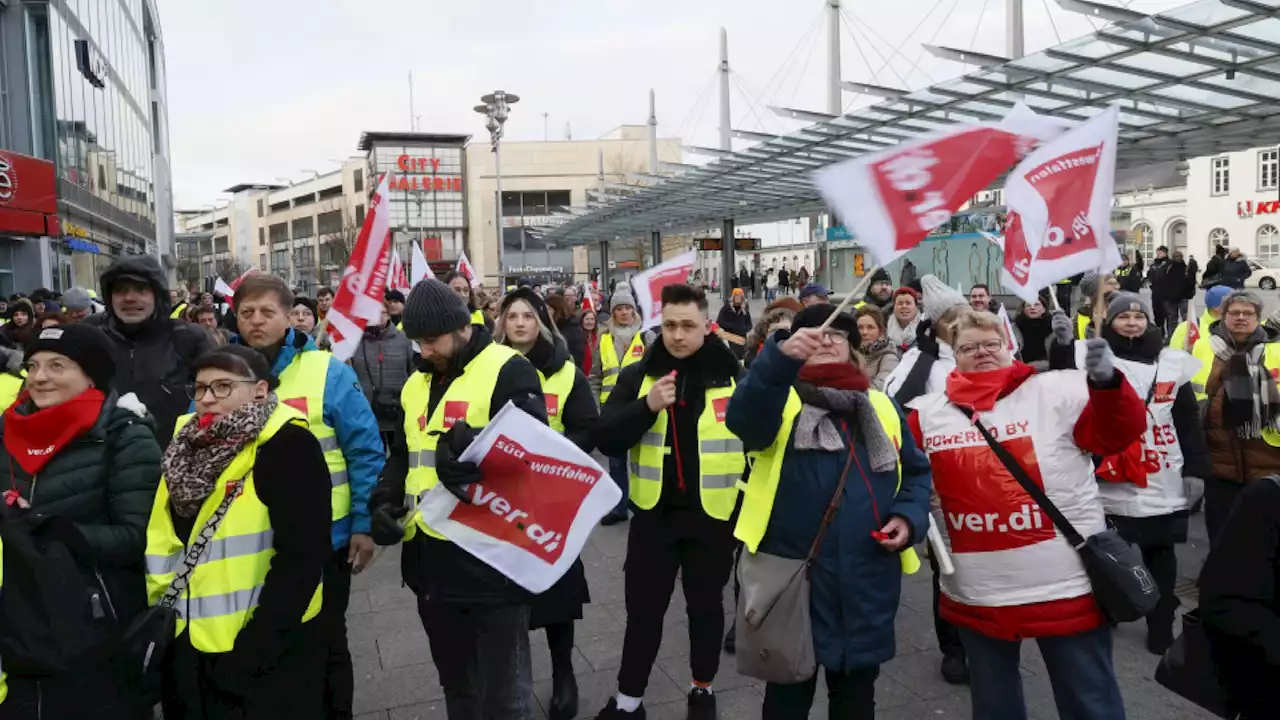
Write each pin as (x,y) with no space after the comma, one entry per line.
(395,679)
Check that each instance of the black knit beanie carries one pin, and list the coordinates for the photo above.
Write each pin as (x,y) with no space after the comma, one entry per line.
(87,346)
(432,310)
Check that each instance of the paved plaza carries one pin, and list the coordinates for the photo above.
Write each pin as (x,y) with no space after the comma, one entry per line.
(395,679)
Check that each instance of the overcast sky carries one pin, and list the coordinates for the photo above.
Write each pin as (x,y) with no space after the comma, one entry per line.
(263,89)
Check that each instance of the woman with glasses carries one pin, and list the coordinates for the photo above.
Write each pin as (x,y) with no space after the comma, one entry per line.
(72,448)
(1015,576)
(248,645)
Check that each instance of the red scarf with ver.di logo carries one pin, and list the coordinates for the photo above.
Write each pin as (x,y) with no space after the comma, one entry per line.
(35,438)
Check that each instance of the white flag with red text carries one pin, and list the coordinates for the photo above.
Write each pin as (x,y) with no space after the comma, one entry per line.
(588,300)
(397,278)
(539,500)
(892,199)
(648,285)
(468,271)
(419,269)
(1059,200)
(228,292)
(1008,329)
(360,294)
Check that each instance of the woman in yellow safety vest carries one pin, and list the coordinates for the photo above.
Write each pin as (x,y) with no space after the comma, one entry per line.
(807,415)
(246,644)
(461,287)
(525,325)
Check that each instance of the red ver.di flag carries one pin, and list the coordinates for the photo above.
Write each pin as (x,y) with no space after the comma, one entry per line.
(648,285)
(1059,200)
(360,294)
(892,199)
(540,498)
(468,270)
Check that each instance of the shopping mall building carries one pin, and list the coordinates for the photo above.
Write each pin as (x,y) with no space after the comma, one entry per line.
(84,150)
(442,195)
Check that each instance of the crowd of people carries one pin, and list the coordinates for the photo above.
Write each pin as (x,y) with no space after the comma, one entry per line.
(211,478)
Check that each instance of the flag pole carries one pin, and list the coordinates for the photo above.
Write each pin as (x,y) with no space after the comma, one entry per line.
(1191,318)
(1100,304)
(857,291)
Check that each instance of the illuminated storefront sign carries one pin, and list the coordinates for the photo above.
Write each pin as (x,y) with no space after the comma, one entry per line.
(421,174)
(1249,208)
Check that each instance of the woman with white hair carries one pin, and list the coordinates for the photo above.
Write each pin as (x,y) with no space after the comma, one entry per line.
(525,325)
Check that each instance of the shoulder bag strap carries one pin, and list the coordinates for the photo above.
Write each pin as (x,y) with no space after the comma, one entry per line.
(830,514)
(197,549)
(1033,489)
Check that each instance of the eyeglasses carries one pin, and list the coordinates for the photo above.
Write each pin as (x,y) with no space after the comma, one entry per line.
(990,346)
(837,337)
(1242,314)
(221,388)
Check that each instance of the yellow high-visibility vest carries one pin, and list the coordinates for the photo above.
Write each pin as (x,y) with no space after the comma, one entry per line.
(10,388)
(555,390)
(222,592)
(1179,336)
(302,386)
(721,460)
(477,317)
(1082,326)
(4,686)
(1203,351)
(766,471)
(610,366)
(177,311)
(467,398)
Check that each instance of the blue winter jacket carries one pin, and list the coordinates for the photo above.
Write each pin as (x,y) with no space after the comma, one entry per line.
(855,582)
(347,411)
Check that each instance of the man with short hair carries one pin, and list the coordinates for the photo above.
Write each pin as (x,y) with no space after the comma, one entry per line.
(1235,269)
(880,293)
(394,302)
(981,301)
(153,352)
(814,294)
(477,620)
(207,318)
(77,304)
(327,392)
(324,301)
(667,412)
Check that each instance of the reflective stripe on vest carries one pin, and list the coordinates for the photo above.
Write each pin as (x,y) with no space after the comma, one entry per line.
(467,398)
(721,461)
(177,311)
(610,365)
(1203,351)
(766,472)
(223,590)
(1082,326)
(555,390)
(302,385)
(10,388)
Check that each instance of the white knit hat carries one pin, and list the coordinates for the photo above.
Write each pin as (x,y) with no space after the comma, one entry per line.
(938,297)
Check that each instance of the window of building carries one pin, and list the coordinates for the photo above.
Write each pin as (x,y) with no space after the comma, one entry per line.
(261,206)
(303,228)
(277,207)
(511,204)
(329,223)
(358,180)
(262,233)
(280,263)
(557,199)
(1268,245)
(304,200)
(1219,237)
(1221,175)
(329,192)
(1268,169)
(262,261)
(220,244)
(360,215)
(278,232)
(1144,240)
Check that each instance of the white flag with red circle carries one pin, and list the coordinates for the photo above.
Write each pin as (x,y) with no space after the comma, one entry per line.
(398,279)
(468,270)
(361,292)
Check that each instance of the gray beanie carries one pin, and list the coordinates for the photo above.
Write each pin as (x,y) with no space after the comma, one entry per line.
(1089,284)
(76,298)
(432,310)
(939,297)
(622,296)
(1126,302)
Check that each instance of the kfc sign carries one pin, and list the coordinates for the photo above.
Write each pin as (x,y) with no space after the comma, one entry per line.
(420,173)
(1249,208)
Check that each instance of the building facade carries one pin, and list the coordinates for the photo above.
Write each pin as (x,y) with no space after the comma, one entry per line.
(82,86)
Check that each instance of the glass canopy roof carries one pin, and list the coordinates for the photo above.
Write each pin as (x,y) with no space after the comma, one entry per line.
(1197,80)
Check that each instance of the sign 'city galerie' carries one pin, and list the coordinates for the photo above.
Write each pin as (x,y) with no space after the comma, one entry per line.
(420,173)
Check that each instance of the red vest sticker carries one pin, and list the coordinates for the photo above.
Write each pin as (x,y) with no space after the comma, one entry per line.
(985,509)
(455,411)
(422,423)
(1164,392)
(720,405)
(1275,374)
(299,404)
(553,405)
(637,350)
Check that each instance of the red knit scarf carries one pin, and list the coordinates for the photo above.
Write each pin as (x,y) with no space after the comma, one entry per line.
(36,438)
(840,376)
(979,391)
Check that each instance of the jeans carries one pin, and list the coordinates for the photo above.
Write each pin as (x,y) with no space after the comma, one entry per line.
(850,696)
(482,654)
(1080,671)
(662,543)
(618,469)
(339,677)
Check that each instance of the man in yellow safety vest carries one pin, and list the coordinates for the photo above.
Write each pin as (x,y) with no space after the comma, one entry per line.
(622,344)
(667,414)
(327,392)
(476,619)
(1213,298)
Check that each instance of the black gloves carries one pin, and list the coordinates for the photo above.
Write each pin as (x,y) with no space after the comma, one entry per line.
(385,528)
(453,474)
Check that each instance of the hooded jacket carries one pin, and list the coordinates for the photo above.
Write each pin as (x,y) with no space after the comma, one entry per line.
(154,357)
(347,411)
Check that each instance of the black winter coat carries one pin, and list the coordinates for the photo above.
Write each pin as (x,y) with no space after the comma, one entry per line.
(104,482)
(154,358)
(1171,284)
(626,416)
(575,339)
(438,569)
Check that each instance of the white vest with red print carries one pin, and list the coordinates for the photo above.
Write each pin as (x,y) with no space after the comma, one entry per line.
(1164,493)
(1005,549)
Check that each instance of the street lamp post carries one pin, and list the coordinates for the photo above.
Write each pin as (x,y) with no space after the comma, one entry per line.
(496,108)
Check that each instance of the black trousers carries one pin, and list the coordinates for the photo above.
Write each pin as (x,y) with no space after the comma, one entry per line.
(1162,562)
(339,681)
(482,655)
(850,696)
(100,692)
(948,635)
(560,644)
(1219,496)
(662,542)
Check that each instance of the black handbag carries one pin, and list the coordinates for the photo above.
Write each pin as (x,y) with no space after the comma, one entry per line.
(146,641)
(1122,585)
(1187,669)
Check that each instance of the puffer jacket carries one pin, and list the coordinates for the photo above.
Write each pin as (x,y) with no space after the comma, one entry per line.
(1233,459)
(153,358)
(104,482)
(383,363)
(881,359)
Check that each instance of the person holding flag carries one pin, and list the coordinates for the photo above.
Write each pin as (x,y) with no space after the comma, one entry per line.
(327,392)
(1188,331)
(476,619)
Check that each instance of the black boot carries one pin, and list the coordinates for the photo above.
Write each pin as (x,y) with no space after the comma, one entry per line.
(954,668)
(702,705)
(564,686)
(564,697)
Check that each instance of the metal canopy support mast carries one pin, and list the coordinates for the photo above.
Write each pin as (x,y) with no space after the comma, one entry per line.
(1014,34)
(728,271)
(604,271)
(655,236)
(726,129)
(834,98)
